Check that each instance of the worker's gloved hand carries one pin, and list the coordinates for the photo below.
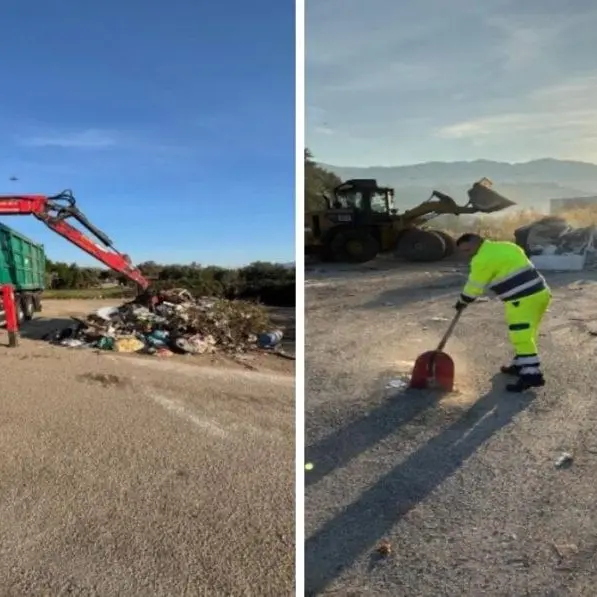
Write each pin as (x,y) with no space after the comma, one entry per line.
(460,305)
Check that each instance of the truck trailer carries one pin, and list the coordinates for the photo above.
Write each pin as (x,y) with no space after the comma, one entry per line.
(22,264)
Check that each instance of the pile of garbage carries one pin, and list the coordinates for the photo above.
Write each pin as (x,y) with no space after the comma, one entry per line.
(175,322)
(553,235)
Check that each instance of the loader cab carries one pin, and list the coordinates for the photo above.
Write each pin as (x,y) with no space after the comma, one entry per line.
(365,198)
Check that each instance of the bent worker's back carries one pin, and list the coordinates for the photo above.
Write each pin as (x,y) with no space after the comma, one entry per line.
(503,268)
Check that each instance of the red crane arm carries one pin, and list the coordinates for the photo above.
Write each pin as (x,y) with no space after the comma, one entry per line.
(54,211)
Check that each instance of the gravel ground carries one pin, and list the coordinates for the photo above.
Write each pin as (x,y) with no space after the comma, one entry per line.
(138,477)
(463,487)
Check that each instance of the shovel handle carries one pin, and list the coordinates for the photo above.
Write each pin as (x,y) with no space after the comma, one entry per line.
(449,331)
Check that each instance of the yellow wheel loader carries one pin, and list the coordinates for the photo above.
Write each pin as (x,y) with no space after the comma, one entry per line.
(360,220)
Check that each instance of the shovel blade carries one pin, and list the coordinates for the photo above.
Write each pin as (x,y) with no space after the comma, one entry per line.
(433,370)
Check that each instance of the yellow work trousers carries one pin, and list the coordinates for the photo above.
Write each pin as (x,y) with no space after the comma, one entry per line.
(524,319)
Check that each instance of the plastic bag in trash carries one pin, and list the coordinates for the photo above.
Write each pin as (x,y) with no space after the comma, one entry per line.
(72,343)
(128,344)
(158,338)
(270,339)
(105,343)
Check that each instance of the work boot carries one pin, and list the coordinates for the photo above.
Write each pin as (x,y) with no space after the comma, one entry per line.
(526,382)
(510,369)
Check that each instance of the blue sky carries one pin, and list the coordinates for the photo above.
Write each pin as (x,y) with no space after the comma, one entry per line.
(172,122)
(391,83)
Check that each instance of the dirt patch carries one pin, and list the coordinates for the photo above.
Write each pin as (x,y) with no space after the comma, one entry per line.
(106,380)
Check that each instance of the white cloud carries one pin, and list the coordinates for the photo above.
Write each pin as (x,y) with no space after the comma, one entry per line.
(86,139)
(324,130)
(567,110)
(117,144)
(393,76)
(400,82)
(522,43)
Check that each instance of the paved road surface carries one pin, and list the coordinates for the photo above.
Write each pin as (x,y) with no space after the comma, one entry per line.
(464,488)
(129,476)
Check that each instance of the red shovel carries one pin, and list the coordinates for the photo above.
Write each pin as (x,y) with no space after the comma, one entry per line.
(434,369)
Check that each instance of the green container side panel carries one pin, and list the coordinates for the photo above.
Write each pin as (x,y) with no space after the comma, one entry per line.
(22,262)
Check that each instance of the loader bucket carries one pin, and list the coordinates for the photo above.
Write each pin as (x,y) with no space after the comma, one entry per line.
(485,199)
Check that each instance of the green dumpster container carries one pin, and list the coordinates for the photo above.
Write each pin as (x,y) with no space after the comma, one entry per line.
(22,264)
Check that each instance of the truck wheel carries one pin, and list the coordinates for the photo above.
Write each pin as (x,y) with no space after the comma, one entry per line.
(28,307)
(421,246)
(354,246)
(37,303)
(449,241)
(20,312)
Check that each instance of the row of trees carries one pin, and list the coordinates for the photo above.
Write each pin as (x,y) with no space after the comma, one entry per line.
(270,283)
(317,181)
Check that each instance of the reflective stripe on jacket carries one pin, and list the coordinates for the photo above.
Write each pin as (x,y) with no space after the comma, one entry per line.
(503,268)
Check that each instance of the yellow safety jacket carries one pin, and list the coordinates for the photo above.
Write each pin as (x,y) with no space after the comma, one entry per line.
(503,268)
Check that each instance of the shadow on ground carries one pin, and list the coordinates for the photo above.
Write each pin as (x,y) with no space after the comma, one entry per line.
(355,530)
(560,279)
(448,285)
(340,447)
(37,328)
(319,270)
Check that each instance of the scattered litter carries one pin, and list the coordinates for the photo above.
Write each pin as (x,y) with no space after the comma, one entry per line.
(106,313)
(72,343)
(439,319)
(384,548)
(195,344)
(557,245)
(164,352)
(176,323)
(270,339)
(399,384)
(553,235)
(128,344)
(565,460)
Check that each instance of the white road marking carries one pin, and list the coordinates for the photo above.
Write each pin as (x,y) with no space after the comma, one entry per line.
(181,411)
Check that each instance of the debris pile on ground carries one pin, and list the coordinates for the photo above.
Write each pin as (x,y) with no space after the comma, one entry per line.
(176,323)
(553,235)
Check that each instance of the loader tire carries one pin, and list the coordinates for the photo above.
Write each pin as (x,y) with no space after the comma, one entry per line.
(449,241)
(354,246)
(422,246)
(324,254)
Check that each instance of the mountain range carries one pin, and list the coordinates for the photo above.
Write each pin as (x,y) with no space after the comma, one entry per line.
(529,184)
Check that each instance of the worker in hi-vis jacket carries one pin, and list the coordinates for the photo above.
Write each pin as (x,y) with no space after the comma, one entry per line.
(503,268)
